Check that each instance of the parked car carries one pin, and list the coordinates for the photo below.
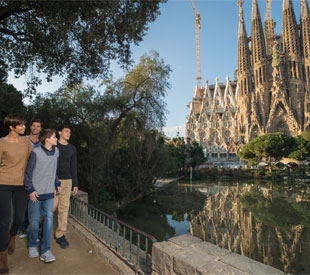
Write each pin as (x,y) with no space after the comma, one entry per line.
(308,162)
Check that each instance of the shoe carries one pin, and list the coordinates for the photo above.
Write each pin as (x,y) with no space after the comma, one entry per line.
(33,252)
(23,234)
(47,257)
(62,242)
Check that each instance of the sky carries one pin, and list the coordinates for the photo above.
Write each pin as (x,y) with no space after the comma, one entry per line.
(172,35)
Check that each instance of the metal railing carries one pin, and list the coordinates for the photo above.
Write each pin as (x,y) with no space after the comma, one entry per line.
(128,242)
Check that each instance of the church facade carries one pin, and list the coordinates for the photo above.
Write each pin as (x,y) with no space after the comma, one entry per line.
(271,92)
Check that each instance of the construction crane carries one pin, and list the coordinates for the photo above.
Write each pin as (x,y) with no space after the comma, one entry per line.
(197,24)
(269,25)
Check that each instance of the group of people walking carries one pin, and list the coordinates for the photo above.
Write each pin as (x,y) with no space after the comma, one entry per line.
(37,174)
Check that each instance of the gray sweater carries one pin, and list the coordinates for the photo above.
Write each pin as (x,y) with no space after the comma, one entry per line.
(40,175)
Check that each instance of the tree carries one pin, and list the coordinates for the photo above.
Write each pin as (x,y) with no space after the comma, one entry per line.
(178,150)
(306,135)
(184,155)
(140,94)
(196,155)
(302,150)
(75,39)
(11,103)
(120,150)
(267,147)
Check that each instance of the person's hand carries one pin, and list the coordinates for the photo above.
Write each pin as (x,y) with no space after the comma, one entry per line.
(58,189)
(33,196)
(75,191)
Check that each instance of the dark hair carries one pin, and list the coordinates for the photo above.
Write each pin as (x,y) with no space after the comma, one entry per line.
(46,133)
(36,120)
(61,127)
(13,120)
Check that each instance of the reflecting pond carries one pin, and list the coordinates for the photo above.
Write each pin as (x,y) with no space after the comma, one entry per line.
(266,221)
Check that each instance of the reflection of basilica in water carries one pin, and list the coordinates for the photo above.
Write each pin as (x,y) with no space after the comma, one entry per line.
(227,222)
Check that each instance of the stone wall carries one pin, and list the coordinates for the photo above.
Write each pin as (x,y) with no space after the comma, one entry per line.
(189,255)
(83,196)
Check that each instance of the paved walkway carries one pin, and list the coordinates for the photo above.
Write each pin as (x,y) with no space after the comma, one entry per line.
(78,258)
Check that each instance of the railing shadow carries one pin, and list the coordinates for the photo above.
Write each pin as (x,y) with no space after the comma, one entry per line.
(129,243)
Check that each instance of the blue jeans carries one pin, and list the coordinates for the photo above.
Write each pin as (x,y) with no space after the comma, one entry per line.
(36,209)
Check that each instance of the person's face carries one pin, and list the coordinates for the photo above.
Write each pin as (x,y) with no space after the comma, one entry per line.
(19,129)
(65,133)
(35,128)
(52,140)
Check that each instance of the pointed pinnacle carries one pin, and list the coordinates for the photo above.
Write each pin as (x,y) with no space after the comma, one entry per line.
(287,4)
(255,10)
(304,9)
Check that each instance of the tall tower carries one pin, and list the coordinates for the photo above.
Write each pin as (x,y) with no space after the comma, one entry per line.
(305,38)
(292,49)
(272,90)
(245,84)
(269,25)
(261,95)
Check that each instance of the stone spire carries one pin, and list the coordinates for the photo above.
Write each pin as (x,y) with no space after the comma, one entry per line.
(244,76)
(293,53)
(304,10)
(287,4)
(291,41)
(259,56)
(244,64)
(305,36)
(242,30)
(255,10)
(257,35)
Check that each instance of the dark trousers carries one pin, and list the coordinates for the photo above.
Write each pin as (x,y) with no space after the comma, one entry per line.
(25,225)
(17,197)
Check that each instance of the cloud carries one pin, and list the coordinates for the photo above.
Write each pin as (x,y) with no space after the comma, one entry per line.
(172,131)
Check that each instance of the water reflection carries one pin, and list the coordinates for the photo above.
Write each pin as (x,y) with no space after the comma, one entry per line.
(269,223)
(166,213)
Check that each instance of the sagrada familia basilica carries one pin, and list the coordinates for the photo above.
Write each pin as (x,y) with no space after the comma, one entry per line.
(271,92)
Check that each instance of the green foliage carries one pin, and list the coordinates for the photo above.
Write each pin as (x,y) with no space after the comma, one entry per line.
(189,202)
(306,135)
(196,155)
(259,172)
(267,147)
(11,103)
(275,212)
(120,150)
(298,155)
(75,39)
(302,148)
(300,171)
(303,209)
(184,155)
